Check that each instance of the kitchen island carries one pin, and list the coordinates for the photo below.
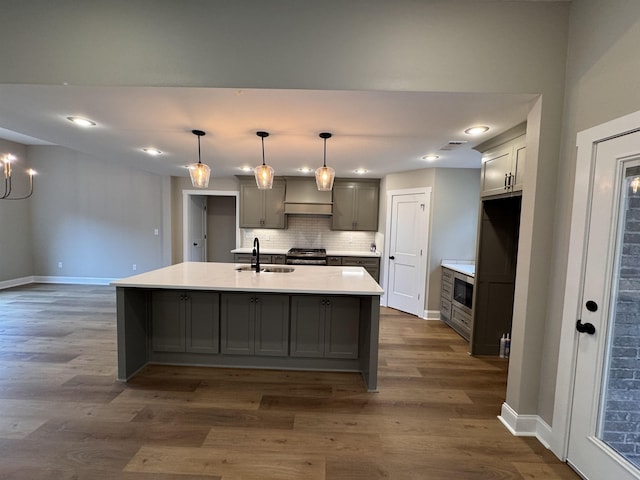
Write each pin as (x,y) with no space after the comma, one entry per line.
(225,315)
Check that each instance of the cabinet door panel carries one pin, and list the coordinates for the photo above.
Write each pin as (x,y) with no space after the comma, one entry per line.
(203,319)
(236,324)
(167,321)
(273,210)
(251,206)
(519,156)
(343,206)
(307,326)
(366,214)
(272,325)
(495,165)
(342,327)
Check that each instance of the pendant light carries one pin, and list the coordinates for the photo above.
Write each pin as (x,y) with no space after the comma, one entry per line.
(325,175)
(199,172)
(263,173)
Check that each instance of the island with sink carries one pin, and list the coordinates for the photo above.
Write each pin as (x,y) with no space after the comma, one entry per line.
(230,315)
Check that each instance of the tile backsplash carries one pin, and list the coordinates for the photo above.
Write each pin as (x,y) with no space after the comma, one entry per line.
(308,231)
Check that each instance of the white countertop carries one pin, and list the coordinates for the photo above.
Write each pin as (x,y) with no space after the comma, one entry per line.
(466,268)
(224,277)
(336,253)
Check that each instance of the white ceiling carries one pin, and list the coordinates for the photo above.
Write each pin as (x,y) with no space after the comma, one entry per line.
(383,132)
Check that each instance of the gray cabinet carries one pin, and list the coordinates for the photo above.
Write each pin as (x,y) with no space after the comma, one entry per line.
(370,264)
(264,259)
(503,163)
(262,208)
(184,321)
(446,294)
(324,326)
(254,324)
(355,205)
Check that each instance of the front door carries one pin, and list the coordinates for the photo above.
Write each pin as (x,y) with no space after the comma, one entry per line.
(407,252)
(604,439)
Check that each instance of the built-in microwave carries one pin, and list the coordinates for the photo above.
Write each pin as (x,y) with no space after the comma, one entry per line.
(463,291)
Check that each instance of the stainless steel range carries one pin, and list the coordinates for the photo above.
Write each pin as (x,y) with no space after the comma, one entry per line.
(307,256)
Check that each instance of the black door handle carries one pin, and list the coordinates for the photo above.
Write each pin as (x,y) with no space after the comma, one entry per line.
(585,327)
(392,257)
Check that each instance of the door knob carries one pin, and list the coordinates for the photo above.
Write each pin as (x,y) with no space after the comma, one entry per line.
(392,257)
(591,306)
(585,327)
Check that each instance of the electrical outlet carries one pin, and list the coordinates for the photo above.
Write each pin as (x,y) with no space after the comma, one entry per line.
(267,237)
(59,264)
(135,267)
(156,232)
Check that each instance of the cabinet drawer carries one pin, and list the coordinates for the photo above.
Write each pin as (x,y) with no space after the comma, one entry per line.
(334,261)
(446,291)
(279,259)
(460,317)
(445,308)
(360,262)
(242,258)
(447,275)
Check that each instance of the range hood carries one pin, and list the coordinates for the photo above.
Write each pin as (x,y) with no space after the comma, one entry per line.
(303,198)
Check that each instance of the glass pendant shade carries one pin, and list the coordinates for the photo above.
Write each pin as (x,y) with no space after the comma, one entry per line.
(324,178)
(264,173)
(325,175)
(199,173)
(264,176)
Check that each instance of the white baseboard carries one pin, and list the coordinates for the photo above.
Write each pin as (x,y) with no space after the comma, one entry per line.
(525,425)
(431,315)
(16,282)
(74,280)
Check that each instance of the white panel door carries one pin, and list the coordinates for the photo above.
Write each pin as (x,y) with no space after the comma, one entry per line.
(409,217)
(604,439)
(198,228)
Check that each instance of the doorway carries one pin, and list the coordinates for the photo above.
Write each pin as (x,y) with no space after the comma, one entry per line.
(406,252)
(598,406)
(213,217)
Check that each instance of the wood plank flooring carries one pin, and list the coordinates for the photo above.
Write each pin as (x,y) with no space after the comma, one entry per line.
(64,416)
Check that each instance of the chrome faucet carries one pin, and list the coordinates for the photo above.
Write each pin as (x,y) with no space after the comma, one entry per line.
(256,253)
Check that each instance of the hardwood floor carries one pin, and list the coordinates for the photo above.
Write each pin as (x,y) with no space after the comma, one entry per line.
(64,416)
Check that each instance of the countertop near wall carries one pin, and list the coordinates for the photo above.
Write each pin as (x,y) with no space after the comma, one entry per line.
(465,267)
(337,253)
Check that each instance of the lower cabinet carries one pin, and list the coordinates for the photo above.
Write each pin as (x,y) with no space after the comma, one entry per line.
(254,324)
(324,326)
(185,321)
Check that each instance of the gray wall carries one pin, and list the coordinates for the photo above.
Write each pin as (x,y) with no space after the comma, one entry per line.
(454,223)
(98,219)
(455,196)
(374,45)
(602,84)
(15,218)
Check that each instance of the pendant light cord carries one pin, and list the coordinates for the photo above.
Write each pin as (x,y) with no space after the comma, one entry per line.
(325,152)
(262,150)
(199,149)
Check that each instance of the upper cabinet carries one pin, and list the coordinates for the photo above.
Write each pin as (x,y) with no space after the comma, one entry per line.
(262,208)
(355,205)
(503,163)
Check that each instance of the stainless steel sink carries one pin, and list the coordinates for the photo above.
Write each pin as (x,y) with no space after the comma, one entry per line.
(247,269)
(279,269)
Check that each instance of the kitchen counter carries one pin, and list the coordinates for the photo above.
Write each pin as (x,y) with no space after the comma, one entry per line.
(210,314)
(466,268)
(335,253)
(224,277)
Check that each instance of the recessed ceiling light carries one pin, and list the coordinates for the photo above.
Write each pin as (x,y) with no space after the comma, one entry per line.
(430,157)
(246,169)
(477,130)
(82,122)
(305,170)
(152,151)
(360,171)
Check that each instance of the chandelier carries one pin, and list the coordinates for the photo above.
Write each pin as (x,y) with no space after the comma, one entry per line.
(6,167)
